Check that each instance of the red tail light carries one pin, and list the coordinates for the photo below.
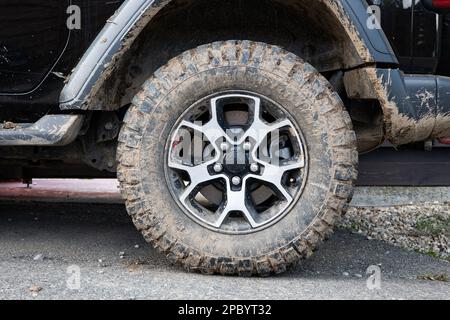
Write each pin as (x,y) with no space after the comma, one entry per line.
(441,4)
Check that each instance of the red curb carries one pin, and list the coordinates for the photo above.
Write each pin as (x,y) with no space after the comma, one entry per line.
(63,190)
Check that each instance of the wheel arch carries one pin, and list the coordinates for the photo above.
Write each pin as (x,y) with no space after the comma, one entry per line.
(102,77)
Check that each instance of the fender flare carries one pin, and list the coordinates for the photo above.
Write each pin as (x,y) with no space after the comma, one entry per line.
(129,20)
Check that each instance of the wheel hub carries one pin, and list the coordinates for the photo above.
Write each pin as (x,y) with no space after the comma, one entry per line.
(236,160)
(242,169)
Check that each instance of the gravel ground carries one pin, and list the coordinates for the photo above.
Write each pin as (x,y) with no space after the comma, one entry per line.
(424,228)
(40,241)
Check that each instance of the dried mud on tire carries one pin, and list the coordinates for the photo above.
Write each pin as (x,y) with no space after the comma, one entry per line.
(266,70)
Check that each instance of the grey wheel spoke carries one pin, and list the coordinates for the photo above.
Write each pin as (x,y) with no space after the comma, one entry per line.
(198,174)
(210,130)
(273,175)
(213,130)
(259,130)
(236,201)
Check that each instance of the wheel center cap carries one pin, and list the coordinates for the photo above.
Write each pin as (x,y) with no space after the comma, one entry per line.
(235,160)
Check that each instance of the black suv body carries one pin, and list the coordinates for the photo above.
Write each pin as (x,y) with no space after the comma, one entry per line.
(100,88)
(38,52)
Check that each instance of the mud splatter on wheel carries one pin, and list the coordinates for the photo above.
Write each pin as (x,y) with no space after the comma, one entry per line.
(237,158)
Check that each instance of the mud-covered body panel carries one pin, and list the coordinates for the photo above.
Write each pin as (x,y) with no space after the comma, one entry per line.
(419,106)
(375,39)
(415,107)
(50,130)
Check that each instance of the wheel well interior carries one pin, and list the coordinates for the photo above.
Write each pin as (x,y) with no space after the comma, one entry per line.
(306,28)
(303,27)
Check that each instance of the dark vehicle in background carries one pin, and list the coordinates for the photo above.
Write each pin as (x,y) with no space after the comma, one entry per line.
(284,95)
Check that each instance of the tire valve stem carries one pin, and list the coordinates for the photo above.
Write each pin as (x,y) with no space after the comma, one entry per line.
(224,146)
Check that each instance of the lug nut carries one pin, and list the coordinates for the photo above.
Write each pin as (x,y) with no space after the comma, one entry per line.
(236,181)
(254,167)
(218,167)
(247,146)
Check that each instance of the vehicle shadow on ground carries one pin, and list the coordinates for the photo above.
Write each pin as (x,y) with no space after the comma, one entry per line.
(88,233)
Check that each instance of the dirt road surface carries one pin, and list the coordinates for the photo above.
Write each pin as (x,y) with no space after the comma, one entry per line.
(42,242)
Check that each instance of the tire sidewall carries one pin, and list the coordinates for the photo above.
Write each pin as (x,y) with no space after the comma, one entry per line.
(304,108)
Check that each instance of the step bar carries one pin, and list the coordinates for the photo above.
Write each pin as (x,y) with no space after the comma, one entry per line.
(50,130)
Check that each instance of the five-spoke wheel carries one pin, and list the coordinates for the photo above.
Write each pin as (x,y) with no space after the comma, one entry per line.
(236,162)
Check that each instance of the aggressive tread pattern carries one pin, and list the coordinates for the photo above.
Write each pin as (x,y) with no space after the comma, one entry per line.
(248,55)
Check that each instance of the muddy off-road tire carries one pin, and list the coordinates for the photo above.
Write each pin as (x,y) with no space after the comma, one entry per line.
(321,185)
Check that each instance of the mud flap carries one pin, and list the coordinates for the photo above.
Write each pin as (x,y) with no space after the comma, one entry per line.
(415,107)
